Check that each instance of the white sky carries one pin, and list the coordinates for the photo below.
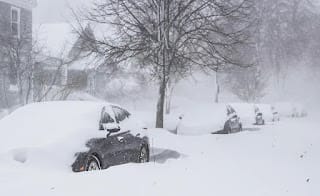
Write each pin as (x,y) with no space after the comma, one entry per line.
(55,11)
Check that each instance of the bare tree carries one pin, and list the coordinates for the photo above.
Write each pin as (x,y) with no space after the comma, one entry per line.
(169,38)
(248,84)
(284,33)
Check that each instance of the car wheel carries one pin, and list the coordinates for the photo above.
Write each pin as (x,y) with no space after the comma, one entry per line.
(144,155)
(93,164)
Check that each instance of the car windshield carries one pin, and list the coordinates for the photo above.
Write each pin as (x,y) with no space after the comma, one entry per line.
(105,117)
(120,113)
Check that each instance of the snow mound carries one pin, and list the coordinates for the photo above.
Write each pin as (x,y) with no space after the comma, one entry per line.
(50,131)
(290,109)
(203,119)
(246,112)
(3,113)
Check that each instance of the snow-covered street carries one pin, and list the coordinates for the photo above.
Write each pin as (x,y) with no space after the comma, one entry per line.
(160,97)
(277,159)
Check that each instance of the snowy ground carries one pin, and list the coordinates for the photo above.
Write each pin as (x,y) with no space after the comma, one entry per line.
(276,160)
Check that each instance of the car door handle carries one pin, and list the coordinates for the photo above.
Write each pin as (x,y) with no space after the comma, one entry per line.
(120,139)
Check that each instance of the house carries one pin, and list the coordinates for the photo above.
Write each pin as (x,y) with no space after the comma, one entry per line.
(85,72)
(82,69)
(15,46)
(16,17)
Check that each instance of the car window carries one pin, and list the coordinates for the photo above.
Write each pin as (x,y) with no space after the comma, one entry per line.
(105,117)
(230,110)
(120,113)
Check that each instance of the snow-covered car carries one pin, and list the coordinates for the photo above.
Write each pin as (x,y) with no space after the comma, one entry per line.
(259,116)
(233,124)
(291,109)
(196,119)
(84,135)
(275,114)
(259,119)
(246,112)
(299,111)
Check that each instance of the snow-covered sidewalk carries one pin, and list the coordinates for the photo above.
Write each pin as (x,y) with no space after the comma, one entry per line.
(277,160)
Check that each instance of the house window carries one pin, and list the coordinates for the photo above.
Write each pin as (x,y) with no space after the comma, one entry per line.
(15,22)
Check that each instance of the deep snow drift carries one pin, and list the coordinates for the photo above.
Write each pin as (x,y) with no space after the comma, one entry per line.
(49,134)
(278,159)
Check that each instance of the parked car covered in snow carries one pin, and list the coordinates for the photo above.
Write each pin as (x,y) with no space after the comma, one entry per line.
(275,114)
(246,112)
(86,135)
(259,116)
(233,124)
(299,111)
(203,119)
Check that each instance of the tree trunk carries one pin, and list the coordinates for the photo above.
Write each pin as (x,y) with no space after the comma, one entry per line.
(5,91)
(163,64)
(216,100)
(160,104)
(21,90)
(168,101)
(30,90)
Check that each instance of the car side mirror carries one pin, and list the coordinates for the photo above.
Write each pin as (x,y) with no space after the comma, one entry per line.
(111,128)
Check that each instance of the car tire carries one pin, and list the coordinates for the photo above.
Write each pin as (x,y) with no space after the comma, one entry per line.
(143,155)
(93,163)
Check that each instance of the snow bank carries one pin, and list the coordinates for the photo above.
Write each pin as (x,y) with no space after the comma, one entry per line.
(246,113)
(3,113)
(51,131)
(210,117)
(202,119)
(82,96)
(252,163)
(290,109)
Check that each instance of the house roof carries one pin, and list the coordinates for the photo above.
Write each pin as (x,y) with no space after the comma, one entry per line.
(60,41)
(27,4)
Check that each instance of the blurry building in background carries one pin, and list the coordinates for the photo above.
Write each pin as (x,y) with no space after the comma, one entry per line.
(15,47)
